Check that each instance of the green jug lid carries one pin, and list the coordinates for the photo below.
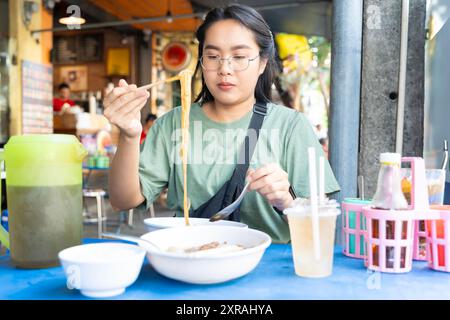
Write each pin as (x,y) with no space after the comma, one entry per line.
(43,138)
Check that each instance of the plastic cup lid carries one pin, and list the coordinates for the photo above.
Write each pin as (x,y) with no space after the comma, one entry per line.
(390,157)
(302,207)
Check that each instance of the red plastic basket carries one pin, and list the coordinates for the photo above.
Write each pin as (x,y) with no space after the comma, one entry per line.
(438,240)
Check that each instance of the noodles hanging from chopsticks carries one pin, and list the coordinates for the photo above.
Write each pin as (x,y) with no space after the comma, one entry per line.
(185,77)
(185,83)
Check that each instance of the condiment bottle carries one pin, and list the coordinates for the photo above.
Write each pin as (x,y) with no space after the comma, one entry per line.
(389,193)
(389,196)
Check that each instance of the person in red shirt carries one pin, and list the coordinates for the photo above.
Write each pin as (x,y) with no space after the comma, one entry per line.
(63,101)
(148,124)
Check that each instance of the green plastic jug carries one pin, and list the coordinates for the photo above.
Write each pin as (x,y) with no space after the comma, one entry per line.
(44,192)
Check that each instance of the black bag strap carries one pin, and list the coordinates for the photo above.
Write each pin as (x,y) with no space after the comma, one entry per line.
(237,180)
(248,146)
(233,187)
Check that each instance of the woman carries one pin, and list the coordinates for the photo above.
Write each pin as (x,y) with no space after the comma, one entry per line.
(238,63)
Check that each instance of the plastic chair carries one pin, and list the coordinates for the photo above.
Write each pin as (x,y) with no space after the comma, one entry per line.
(99,195)
(130,215)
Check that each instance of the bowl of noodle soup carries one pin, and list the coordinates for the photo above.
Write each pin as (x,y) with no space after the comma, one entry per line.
(206,254)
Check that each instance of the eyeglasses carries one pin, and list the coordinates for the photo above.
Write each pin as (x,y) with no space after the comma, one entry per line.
(237,63)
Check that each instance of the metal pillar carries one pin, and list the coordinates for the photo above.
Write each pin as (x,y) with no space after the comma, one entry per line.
(345,93)
(380,84)
(345,96)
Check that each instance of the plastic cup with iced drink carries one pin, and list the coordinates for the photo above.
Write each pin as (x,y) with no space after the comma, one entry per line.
(306,263)
(435,183)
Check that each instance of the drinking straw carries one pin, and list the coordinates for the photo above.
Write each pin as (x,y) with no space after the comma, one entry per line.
(313,199)
(361,187)
(321,180)
(402,76)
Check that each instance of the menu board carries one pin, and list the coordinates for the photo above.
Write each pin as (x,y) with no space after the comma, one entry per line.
(37,98)
(80,48)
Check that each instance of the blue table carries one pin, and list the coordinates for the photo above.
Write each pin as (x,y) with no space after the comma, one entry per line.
(273,278)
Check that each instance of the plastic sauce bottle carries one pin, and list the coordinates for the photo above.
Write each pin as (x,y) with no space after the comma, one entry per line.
(389,196)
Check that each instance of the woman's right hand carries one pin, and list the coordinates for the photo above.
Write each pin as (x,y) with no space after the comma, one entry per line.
(123,108)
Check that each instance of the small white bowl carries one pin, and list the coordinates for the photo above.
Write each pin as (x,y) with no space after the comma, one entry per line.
(154,224)
(102,270)
(206,269)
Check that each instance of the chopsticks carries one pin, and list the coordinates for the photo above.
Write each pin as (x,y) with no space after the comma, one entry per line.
(151,85)
(184,76)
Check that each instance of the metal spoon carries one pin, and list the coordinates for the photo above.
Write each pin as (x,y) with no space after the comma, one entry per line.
(140,241)
(225,212)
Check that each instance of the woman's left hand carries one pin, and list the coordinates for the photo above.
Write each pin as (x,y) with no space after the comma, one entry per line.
(272,183)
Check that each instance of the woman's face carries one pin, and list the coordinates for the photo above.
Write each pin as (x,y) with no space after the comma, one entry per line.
(225,39)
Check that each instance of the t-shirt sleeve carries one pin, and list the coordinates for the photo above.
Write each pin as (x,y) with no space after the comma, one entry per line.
(301,138)
(154,166)
(57,105)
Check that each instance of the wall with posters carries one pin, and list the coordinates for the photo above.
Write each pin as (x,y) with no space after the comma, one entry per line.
(37,95)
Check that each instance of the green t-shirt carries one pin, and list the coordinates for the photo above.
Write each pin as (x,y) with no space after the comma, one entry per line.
(214,150)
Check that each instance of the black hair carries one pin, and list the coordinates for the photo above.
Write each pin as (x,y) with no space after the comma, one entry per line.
(151,116)
(63,86)
(253,21)
(323,141)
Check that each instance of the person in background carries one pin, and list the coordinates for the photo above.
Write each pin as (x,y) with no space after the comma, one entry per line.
(324,143)
(147,125)
(320,131)
(63,101)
